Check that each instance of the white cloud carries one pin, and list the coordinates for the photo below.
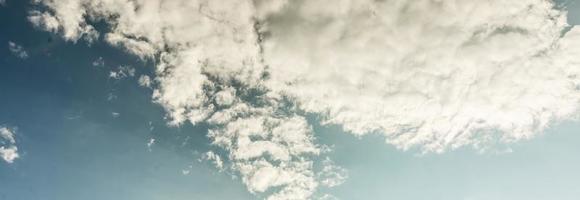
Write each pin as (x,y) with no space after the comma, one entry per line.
(99,62)
(68,21)
(111,96)
(17,50)
(8,148)
(433,74)
(44,21)
(437,75)
(215,159)
(122,72)
(327,197)
(150,143)
(2,2)
(115,114)
(332,175)
(141,48)
(144,81)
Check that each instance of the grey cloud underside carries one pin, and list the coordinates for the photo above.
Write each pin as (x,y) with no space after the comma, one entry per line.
(436,75)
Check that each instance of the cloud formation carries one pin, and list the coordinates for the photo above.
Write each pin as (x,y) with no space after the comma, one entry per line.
(17,50)
(8,149)
(122,72)
(436,75)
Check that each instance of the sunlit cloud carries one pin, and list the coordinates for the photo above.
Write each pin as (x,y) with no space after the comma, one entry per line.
(435,75)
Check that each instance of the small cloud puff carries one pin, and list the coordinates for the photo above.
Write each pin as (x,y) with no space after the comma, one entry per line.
(122,72)
(8,148)
(144,81)
(99,62)
(17,50)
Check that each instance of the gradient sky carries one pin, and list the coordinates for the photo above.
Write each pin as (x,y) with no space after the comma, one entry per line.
(73,147)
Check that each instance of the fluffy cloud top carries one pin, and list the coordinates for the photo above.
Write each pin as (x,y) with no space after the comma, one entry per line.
(436,74)
(8,149)
(431,74)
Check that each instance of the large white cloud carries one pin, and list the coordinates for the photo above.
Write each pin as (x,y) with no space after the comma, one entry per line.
(8,148)
(432,74)
(438,74)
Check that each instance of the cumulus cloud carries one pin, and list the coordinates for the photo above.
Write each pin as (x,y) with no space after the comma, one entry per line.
(8,149)
(68,20)
(17,50)
(436,75)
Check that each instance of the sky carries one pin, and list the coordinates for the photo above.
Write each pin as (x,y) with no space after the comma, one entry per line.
(157,100)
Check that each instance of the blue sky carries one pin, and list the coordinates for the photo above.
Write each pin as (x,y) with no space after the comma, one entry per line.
(71,145)
(83,135)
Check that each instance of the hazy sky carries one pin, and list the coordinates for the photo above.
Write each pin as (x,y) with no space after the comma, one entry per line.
(158,100)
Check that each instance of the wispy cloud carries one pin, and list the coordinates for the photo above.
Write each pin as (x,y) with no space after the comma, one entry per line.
(17,50)
(122,72)
(99,62)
